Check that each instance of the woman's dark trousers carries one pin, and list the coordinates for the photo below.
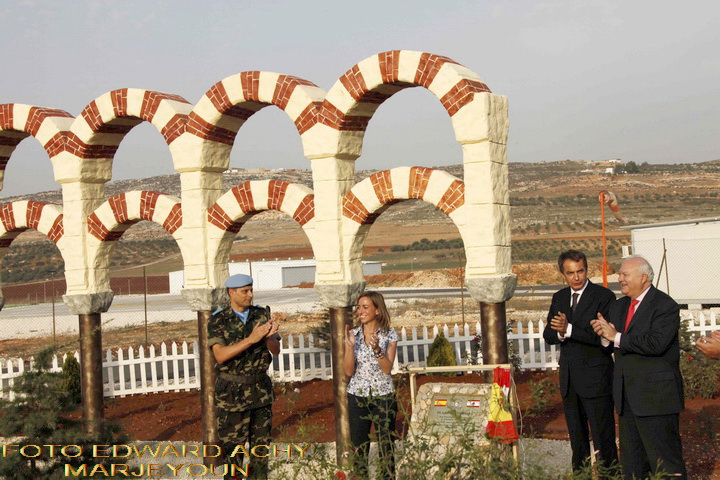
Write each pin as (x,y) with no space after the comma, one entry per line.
(379,411)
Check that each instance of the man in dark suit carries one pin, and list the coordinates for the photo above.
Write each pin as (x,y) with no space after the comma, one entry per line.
(647,385)
(586,367)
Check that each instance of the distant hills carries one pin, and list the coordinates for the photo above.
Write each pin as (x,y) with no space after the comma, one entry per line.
(553,205)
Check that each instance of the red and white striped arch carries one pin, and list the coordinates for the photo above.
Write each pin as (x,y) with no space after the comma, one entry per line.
(355,97)
(18,121)
(110,220)
(236,206)
(221,112)
(367,199)
(102,125)
(16,217)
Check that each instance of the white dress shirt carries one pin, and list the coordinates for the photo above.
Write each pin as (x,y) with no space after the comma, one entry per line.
(568,333)
(618,335)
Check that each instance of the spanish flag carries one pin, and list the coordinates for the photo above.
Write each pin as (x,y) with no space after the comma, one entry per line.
(500,422)
(441,402)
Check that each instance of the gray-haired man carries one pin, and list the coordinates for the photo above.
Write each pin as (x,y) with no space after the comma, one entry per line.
(647,385)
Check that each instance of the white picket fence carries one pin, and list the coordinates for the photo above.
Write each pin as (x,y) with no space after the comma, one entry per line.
(127,372)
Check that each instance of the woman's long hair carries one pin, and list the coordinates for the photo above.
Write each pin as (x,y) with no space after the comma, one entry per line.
(378,301)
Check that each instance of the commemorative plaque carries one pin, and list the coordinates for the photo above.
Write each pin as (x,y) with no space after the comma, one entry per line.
(450,409)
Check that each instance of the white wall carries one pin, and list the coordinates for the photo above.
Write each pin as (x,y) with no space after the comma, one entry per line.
(273,274)
(693,259)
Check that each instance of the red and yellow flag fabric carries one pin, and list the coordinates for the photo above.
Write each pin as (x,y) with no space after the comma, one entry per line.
(500,422)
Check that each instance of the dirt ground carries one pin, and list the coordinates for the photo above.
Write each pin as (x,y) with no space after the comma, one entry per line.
(303,412)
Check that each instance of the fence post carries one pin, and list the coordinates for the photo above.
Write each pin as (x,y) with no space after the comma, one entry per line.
(145,304)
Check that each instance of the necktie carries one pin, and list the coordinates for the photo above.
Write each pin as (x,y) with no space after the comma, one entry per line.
(631,312)
(574,302)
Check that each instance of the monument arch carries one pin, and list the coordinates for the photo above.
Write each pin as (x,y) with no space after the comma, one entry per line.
(334,213)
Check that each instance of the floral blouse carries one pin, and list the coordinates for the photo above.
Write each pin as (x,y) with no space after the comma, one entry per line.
(369,379)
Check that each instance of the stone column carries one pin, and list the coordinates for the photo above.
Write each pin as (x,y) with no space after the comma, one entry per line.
(204,301)
(88,307)
(491,293)
(339,300)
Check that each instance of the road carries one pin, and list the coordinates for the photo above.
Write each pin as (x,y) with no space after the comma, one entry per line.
(29,321)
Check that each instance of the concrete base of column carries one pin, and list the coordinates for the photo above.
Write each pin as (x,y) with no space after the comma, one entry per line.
(207,387)
(91,372)
(492,289)
(200,299)
(339,295)
(89,303)
(339,317)
(493,325)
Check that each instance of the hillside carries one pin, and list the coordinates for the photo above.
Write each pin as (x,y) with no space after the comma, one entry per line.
(553,206)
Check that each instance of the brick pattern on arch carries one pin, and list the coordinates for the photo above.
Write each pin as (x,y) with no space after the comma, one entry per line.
(392,72)
(235,99)
(111,219)
(200,137)
(365,211)
(16,217)
(292,199)
(116,113)
(18,122)
(7,217)
(218,217)
(309,109)
(97,132)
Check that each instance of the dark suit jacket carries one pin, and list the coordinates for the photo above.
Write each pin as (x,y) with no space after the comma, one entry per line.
(583,360)
(647,364)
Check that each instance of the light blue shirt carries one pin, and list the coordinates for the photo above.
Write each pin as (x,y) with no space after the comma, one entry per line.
(243,316)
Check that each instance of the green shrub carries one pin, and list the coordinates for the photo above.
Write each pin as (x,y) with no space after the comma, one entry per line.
(700,375)
(36,416)
(541,395)
(72,383)
(441,354)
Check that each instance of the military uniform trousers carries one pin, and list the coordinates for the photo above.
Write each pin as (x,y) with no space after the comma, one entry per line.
(253,426)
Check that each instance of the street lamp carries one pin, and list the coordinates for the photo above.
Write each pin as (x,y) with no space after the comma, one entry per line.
(412,264)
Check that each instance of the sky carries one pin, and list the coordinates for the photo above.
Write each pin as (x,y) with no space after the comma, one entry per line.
(589,80)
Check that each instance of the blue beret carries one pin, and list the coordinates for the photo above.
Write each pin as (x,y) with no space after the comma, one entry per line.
(238,281)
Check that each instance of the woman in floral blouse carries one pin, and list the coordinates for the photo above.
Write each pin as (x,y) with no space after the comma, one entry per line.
(369,356)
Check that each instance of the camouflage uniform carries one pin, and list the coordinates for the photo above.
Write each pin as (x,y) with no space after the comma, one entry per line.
(243,390)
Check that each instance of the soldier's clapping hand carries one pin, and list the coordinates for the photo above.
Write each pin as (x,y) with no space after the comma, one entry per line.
(274,327)
(259,332)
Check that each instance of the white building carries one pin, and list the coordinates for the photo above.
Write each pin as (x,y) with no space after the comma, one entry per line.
(273,274)
(685,256)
